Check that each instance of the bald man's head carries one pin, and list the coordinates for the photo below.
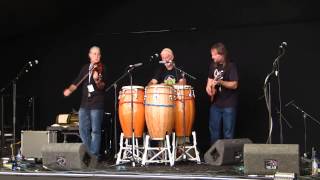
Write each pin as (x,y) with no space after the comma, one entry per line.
(167,54)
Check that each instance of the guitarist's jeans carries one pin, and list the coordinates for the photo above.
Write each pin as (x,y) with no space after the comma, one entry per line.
(90,128)
(224,118)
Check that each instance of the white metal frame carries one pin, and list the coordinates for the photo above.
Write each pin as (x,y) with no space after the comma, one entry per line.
(157,154)
(125,152)
(187,149)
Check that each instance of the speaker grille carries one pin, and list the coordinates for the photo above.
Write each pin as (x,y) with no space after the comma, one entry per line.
(226,151)
(67,156)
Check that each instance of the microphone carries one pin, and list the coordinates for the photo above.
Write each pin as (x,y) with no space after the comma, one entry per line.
(283,45)
(135,65)
(31,63)
(165,62)
(290,102)
(155,56)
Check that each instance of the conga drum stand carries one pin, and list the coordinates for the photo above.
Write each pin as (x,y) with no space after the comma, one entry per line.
(189,152)
(125,154)
(157,154)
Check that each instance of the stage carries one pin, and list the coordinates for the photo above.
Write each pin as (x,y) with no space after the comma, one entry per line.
(108,170)
(109,167)
(182,170)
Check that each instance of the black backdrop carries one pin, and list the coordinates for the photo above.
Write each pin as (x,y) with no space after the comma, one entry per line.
(59,34)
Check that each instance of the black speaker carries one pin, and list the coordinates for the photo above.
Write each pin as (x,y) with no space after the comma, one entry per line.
(261,159)
(226,151)
(67,156)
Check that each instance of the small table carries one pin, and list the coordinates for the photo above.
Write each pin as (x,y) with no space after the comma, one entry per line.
(65,130)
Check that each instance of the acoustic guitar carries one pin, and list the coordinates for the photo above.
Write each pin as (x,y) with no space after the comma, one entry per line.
(217,77)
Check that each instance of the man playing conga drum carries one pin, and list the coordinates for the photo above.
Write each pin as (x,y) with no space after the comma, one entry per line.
(167,74)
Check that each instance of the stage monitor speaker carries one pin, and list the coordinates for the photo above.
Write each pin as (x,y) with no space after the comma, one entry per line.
(262,159)
(67,156)
(226,151)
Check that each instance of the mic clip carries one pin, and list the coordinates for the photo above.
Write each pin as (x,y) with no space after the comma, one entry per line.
(166,62)
(135,65)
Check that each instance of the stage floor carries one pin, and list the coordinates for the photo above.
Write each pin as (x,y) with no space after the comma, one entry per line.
(108,170)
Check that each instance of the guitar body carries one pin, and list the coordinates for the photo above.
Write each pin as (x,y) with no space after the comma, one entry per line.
(218,76)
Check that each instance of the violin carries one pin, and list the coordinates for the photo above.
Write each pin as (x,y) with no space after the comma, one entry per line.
(98,67)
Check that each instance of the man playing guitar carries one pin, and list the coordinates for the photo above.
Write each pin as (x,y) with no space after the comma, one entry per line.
(222,88)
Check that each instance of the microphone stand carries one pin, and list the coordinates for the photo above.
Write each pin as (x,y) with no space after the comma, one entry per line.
(132,126)
(285,120)
(13,83)
(2,128)
(183,73)
(305,116)
(267,95)
(114,84)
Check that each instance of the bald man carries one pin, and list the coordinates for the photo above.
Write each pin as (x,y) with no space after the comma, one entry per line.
(167,74)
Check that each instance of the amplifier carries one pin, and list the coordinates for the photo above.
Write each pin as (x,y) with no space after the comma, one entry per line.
(33,141)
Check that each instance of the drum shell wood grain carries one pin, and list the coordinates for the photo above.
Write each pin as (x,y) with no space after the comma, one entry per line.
(184,93)
(138,111)
(159,110)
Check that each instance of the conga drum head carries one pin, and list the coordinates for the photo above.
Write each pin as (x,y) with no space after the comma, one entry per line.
(178,86)
(184,90)
(159,86)
(127,89)
(133,87)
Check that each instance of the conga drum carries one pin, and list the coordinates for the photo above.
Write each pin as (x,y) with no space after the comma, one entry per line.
(184,118)
(125,110)
(159,109)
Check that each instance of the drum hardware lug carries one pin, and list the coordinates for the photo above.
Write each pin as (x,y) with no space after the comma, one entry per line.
(155,96)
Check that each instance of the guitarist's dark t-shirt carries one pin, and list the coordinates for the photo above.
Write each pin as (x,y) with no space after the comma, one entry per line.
(225,97)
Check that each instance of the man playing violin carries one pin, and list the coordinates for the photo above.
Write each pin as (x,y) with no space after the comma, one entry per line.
(222,87)
(92,78)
